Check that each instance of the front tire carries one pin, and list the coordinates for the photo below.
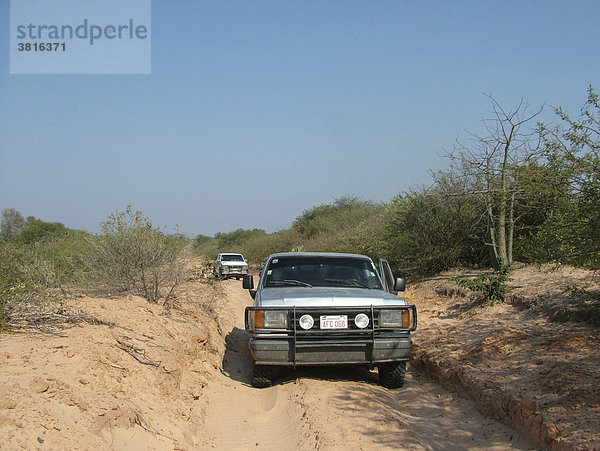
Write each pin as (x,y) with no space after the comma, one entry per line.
(262,376)
(392,375)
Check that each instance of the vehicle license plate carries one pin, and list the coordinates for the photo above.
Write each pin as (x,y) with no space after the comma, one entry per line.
(334,322)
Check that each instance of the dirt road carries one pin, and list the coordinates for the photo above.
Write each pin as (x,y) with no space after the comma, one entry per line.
(333,408)
(145,378)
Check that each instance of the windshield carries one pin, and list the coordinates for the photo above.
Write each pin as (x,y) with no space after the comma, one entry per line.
(319,271)
(232,258)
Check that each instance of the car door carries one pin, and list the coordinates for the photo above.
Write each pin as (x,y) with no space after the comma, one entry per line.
(217,264)
(386,276)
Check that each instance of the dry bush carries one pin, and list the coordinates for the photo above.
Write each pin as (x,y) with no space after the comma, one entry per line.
(203,272)
(132,256)
(25,280)
(30,293)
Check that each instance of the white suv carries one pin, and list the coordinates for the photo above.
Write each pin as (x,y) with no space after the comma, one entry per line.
(328,309)
(228,265)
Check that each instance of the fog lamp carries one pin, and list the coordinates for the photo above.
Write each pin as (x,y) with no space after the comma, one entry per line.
(306,322)
(361,320)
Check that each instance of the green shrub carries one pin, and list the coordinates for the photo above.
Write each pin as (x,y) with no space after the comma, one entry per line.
(257,248)
(493,286)
(205,246)
(25,278)
(330,219)
(135,257)
(67,255)
(36,230)
(231,241)
(347,225)
(431,230)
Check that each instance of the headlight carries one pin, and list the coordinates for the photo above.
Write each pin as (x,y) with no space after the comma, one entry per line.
(306,322)
(270,319)
(361,320)
(395,318)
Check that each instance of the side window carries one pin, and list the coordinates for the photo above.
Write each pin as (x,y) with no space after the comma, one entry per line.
(387,276)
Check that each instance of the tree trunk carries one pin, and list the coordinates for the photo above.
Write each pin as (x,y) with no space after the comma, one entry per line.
(501,233)
(493,244)
(510,229)
(502,208)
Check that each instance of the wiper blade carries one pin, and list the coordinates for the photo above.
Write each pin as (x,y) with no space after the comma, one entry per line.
(290,282)
(352,283)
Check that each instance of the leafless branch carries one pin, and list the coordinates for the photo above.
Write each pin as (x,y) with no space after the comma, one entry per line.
(143,423)
(137,354)
(29,316)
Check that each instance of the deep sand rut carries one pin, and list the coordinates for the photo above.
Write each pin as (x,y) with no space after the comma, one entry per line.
(242,417)
(334,408)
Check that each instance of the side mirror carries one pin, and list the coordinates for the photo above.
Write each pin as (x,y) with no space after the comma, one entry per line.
(400,284)
(248,282)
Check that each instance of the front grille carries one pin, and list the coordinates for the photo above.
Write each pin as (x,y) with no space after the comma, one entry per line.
(372,312)
(350,313)
(234,268)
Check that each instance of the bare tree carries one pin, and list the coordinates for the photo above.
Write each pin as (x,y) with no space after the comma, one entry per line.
(12,223)
(489,162)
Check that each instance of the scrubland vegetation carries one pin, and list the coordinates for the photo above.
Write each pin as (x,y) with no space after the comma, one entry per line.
(523,191)
(40,262)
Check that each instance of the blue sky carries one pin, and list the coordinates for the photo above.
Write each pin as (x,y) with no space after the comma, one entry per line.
(255,111)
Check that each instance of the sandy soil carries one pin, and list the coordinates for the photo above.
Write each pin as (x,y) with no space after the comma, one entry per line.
(86,387)
(180,380)
(336,408)
(536,375)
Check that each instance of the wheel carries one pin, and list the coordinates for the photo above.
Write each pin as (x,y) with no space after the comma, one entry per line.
(392,375)
(237,277)
(262,376)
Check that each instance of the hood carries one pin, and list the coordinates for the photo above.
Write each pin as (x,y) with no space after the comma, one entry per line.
(321,296)
(234,263)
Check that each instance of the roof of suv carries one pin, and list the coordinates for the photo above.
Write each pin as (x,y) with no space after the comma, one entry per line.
(318,254)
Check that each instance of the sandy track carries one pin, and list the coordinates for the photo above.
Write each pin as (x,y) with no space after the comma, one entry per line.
(333,408)
(240,416)
(81,389)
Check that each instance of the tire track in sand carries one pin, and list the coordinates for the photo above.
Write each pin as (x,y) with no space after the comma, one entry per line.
(242,417)
(336,408)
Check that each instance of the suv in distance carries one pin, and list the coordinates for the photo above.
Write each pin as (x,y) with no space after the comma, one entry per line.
(328,309)
(228,265)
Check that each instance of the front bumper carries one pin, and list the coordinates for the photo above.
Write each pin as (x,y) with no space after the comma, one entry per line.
(268,350)
(234,270)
